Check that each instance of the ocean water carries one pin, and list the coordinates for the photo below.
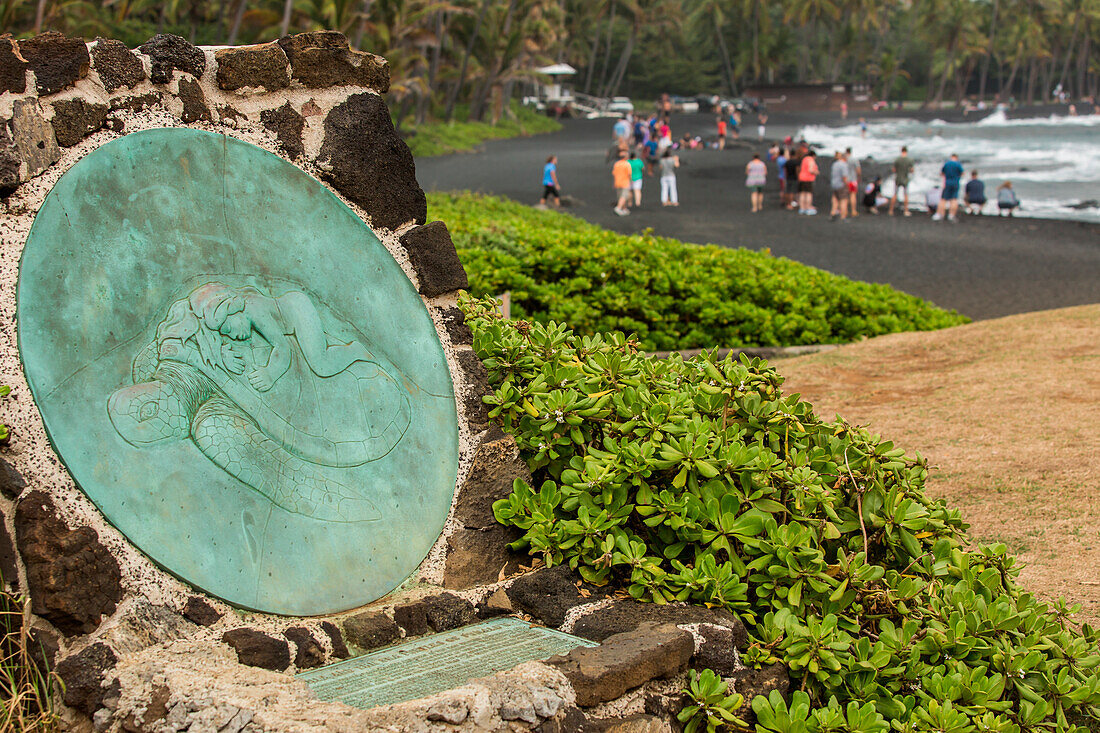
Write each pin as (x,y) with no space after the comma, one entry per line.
(1053,162)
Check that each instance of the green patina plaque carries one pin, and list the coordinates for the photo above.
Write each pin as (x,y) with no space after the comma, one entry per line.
(428,664)
(237,372)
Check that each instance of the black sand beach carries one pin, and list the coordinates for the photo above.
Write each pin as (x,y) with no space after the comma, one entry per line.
(984,267)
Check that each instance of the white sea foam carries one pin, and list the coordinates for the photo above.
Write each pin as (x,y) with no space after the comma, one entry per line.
(1053,162)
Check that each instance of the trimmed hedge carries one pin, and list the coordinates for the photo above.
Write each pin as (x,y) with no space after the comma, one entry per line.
(671,294)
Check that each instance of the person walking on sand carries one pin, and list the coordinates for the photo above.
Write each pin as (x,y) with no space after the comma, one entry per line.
(839,177)
(721,132)
(975,194)
(949,200)
(637,170)
(855,176)
(761,127)
(756,176)
(781,174)
(903,169)
(794,162)
(807,174)
(668,165)
(1006,198)
(550,185)
(620,174)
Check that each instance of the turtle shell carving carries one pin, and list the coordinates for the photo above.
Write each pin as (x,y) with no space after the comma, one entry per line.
(268,394)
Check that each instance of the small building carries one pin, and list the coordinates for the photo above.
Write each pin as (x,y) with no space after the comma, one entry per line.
(811,97)
(558,90)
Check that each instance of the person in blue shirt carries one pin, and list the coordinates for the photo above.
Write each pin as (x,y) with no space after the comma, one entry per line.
(550,181)
(949,201)
(975,194)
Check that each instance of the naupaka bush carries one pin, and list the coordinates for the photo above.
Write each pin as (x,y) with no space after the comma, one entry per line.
(701,481)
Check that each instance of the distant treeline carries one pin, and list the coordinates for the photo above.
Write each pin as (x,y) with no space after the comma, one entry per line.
(465,57)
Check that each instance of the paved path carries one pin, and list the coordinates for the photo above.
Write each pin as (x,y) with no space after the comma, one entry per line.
(983,267)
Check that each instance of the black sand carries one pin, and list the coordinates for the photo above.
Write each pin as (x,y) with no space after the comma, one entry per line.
(984,267)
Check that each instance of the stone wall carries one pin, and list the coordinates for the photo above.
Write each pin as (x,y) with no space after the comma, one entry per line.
(137,648)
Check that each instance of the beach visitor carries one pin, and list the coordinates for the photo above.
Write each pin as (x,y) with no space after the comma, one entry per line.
(843,110)
(668,165)
(721,132)
(932,199)
(1006,198)
(781,174)
(664,135)
(620,132)
(855,175)
(762,123)
(756,176)
(863,127)
(872,195)
(620,174)
(840,176)
(550,185)
(903,169)
(735,124)
(649,151)
(794,161)
(637,169)
(807,174)
(975,194)
(949,201)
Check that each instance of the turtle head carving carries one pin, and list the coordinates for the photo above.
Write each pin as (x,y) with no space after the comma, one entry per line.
(148,413)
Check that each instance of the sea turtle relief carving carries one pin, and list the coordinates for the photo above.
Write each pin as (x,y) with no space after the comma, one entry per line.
(268,394)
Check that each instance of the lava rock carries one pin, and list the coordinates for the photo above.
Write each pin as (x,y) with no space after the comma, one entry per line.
(57,61)
(626,614)
(448,710)
(72,579)
(495,466)
(264,65)
(549,593)
(447,611)
(433,256)
(257,649)
(116,64)
(9,575)
(75,119)
(339,648)
(325,58)
(170,53)
(13,67)
(137,102)
(480,556)
(287,126)
(42,646)
(144,625)
(454,321)
(310,653)
(571,720)
(716,647)
(753,682)
(11,481)
(365,159)
(83,674)
(476,381)
(198,611)
(10,163)
(194,102)
(33,138)
(634,724)
(625,661)
(370,630)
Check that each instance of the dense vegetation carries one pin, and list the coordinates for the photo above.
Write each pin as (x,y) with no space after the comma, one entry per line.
(440,138)
(443,54)
(701,481)
(671,294)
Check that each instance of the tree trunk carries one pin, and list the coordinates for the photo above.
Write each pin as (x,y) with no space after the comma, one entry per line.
(477,111)
(1007,86)
(241,5)
(725,57)
(947,67)
(284,27)
(624,61)
(364,18)
(39,16)
(989,51)
(592,62)
(607,51)
(425,99)
(453,96)
(1069,49)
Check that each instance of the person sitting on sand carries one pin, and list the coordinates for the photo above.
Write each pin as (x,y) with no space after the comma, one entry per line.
(1006,198)
(975,194)
(872,195)
(932,199)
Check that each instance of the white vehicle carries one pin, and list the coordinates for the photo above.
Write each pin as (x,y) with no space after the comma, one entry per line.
(622,105)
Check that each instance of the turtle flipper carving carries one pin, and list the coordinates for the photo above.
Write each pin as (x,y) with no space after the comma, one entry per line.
(230,439)
(267,395)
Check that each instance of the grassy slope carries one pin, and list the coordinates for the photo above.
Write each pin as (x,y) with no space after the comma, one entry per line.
(672,294)
(440,138)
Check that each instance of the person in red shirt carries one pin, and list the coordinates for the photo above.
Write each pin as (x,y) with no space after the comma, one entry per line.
(807,174)
(721,132)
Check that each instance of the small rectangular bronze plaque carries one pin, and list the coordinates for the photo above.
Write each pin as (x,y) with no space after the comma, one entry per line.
(430,664)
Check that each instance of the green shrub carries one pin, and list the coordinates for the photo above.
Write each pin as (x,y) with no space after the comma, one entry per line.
(700,481)
(441,138)
(671,294)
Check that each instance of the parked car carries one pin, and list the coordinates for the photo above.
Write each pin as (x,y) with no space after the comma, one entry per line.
(621,105)
(685,105)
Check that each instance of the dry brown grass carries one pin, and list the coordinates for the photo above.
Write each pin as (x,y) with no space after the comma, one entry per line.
(1008,411)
